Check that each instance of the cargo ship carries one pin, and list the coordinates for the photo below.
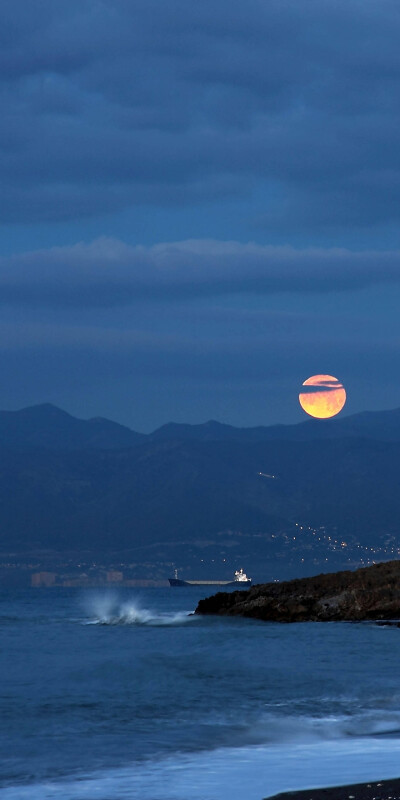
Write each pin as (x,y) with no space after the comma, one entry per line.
(241,581)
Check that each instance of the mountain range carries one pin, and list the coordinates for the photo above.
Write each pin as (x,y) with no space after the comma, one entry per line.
(279,500)
(50,427)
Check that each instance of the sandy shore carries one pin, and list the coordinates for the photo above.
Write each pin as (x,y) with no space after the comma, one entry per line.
(381,790)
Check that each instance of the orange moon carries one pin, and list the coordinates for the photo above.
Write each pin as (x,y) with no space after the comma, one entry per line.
(324,396)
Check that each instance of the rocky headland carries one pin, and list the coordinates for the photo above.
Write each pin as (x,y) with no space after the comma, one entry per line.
(370,593)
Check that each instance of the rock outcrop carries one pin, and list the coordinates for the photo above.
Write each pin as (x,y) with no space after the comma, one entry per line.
(368,593)
(375,790)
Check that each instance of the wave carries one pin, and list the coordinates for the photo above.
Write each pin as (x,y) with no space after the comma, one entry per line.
(274,729)
(110,611)
(223,774)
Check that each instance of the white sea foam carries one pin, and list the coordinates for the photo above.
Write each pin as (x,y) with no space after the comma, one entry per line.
(230,774)
(109,610)
(273,729)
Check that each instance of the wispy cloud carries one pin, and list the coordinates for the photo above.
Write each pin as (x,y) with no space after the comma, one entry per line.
(105,106)
(109,273)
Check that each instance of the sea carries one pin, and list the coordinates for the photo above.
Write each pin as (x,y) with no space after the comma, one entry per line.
(110,695)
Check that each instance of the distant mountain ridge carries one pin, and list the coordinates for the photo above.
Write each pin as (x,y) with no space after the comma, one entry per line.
(201,496)
(379,425)
(52,428)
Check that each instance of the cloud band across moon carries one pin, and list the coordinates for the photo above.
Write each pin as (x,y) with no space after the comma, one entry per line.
(321,386)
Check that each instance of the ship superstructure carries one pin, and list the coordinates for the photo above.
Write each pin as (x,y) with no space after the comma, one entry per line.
(241,581)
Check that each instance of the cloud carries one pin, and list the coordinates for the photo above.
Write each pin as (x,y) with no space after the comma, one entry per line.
(110,273)
(74,356)
(110,105)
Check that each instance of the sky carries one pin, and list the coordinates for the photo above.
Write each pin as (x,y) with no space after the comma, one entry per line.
(199,207)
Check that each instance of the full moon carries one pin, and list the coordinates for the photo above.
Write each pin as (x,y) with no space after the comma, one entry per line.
(323,396)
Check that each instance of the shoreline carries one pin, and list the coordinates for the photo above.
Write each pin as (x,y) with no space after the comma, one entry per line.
(369,593)
(371,790)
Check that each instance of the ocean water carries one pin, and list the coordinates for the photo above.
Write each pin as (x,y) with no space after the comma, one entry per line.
(110,696)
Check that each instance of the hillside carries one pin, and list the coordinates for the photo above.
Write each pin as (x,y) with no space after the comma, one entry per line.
(52,428)
(379,425)
(372,593)
(49,427)
(278,507)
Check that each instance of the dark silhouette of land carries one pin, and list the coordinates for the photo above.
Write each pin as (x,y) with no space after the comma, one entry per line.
(371,593)
(279,501)
(373,790)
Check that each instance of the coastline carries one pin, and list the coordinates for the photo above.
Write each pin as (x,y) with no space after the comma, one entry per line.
(368,593)
(373,790)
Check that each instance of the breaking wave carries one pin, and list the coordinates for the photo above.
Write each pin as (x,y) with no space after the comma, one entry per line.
(274,730)
(110,611)
(223,773)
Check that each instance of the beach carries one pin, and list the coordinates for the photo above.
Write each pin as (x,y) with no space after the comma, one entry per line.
(376,790)
(128,694)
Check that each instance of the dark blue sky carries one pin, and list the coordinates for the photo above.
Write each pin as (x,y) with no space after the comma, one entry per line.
(200,206)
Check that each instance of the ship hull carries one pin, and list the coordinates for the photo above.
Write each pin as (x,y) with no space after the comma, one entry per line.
(224,584)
